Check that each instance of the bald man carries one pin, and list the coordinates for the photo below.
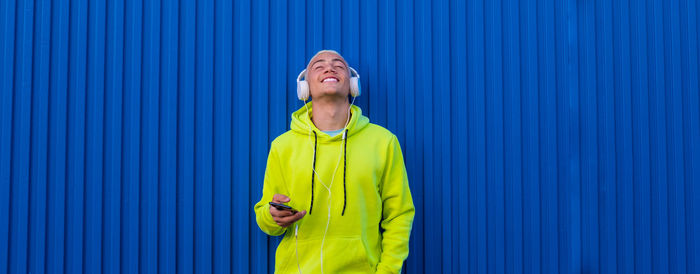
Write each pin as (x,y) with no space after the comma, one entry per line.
(335,184)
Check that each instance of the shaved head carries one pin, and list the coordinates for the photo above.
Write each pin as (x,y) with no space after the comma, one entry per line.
(322,52)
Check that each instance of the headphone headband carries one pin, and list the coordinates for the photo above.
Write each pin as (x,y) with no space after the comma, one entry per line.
(302,73)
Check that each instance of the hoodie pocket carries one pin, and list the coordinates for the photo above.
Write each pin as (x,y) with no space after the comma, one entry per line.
(340,255)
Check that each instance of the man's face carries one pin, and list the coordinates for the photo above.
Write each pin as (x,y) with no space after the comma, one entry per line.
(327,74)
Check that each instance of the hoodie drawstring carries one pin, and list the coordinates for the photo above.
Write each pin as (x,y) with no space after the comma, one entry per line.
(345,146)
(345,149)
(312,175)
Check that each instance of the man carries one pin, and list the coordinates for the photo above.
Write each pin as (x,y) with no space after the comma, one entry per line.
(347,173)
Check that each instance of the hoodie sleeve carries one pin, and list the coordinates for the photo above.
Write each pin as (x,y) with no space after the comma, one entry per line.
(272,184)
(397,213)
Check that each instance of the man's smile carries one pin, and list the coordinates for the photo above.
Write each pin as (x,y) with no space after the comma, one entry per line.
(329,79)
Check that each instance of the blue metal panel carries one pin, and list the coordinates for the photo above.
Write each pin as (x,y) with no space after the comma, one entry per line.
(113,139)
(475,131)
(548,137)
(567,140)
(7,42)
(39,139)
(242,187)
(640,128)
(440,143)
(19,186)
(691,134)
(185,139)
(278,81)
(657,139)
(168,140)
(94,142)
(131,123)
(75,161)
(58,89)
(424,130)
(458,163)
(512,139)
(606,177)
(530,139)
(262,260)
(222,222)
(539,136)
(590,239)
(203,136)
(148,209)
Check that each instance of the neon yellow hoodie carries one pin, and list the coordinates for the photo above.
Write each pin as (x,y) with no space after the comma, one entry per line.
(371,211)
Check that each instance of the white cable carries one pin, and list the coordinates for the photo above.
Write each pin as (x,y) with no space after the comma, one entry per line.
(328,188)
(296,245)
(330,194)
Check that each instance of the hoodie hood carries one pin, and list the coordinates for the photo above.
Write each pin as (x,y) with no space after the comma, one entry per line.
(301,120)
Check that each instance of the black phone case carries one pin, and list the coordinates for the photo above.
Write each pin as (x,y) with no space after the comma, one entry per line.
(283,207)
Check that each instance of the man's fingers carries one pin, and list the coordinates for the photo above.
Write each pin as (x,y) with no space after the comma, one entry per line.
(279,198)
(293,218)
(279,213)
(289,220)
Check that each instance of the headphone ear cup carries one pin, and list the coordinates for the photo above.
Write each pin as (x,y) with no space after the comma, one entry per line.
(303,90)
(355,86)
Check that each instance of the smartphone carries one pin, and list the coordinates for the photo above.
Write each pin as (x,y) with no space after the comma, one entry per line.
(283,207)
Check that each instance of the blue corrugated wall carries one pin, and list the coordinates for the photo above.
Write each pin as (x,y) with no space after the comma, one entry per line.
(550,136)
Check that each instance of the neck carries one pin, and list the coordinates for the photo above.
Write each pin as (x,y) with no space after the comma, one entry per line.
(330,114)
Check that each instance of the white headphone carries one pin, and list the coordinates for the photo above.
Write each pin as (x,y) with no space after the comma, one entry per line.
(303,85)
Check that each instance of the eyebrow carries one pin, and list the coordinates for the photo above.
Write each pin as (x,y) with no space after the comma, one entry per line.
(334,59)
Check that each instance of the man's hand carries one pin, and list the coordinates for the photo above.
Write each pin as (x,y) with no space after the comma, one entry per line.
(284,218)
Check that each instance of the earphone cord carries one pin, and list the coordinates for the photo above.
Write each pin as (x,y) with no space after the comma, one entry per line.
(343,146)
(296,245)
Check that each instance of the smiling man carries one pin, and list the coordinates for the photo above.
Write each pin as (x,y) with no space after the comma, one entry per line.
(343,180)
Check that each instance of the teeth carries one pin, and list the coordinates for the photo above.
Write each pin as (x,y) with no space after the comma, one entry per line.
(330,79)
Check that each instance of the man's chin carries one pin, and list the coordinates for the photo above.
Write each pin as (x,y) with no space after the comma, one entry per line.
(333,93)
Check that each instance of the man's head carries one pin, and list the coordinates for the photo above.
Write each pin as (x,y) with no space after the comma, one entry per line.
(328,74)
